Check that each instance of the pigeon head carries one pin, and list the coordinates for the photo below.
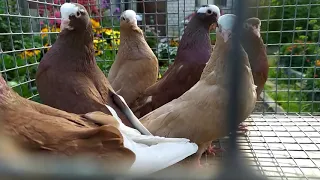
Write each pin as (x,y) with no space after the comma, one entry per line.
(129,18)
(209,15)
(225,25)
(252,25)
(74,16)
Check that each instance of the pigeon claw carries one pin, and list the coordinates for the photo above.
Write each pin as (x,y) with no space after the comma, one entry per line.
(243,128)
(213,150)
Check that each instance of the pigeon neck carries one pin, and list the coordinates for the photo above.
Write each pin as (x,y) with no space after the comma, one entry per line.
(196,32)
(221,67)
(254,46)
(133,44)
(132,33)
(195,37)
(78,45)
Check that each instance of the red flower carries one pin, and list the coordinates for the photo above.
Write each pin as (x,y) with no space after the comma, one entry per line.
(308,60)
(316,75)
(55,21)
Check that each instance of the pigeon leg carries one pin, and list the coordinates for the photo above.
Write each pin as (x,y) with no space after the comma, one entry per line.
(243,128)
(213,150)
(198,164)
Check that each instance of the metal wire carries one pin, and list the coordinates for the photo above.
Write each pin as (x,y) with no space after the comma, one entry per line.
(283,145)
(286,90)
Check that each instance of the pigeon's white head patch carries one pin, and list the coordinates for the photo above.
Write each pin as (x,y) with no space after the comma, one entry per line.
(67,10)
(226,23)
(209,9)
(130,16)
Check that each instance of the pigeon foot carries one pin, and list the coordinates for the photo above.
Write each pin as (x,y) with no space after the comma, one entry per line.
(213,150)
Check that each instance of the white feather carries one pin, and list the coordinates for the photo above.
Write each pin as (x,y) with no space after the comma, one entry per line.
(226,22)
(213,8)
(134,120)
(68,9)
(131,15)
(153,153)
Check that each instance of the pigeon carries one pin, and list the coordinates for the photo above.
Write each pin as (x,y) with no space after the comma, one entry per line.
(253,44)
(135,67)
(41,128)
(68,77)
(192,55)
(200,113)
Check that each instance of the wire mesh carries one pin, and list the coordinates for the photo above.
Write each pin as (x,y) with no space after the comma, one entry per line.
(281,146)
(290,29)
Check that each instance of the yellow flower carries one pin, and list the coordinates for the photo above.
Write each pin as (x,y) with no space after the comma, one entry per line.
(44,30)
(318,62)
(98,53)
(95,41)
(55,29)
(159,76)
(174,43)
(95,24)
(107,31)
(26,54)
(117,33)
(117,41)
(47,46)
(36,52)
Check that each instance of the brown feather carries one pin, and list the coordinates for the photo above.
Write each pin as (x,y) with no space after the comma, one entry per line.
(40,128)
(135,67)
(200,113)
(68,77)
(256,51)
(192,56)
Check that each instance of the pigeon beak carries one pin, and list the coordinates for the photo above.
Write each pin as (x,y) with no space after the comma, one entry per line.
(139,17)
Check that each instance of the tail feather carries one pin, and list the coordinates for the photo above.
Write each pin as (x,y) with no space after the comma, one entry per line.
(153,140)
(121,103)
(150,159)
(153,153)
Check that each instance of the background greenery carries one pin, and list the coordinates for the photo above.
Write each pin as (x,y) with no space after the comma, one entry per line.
(293,35)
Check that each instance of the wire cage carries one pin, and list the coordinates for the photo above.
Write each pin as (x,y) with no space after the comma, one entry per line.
(283,141)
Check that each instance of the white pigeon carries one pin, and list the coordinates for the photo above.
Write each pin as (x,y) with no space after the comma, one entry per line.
(153,153)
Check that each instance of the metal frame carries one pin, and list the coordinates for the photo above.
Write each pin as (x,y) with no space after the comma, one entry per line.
(268,138)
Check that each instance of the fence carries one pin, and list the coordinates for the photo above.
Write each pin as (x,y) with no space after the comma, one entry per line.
(285,142)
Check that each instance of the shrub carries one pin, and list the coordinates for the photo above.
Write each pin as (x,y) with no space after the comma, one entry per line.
(299,55)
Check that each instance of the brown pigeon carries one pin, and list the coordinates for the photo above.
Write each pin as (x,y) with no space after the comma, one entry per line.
(40,128)
(135,67)
(253,44)
(200,113)
(254,47)
(68,77)
(192,56)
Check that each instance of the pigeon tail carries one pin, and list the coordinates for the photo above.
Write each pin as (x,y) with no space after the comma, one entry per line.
(121,103)
(153,153)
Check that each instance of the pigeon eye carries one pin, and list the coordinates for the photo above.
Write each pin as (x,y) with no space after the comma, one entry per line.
(78,14)
(122,18)
(209,12)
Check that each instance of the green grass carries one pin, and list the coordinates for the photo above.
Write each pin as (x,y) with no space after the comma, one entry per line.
(290,100)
